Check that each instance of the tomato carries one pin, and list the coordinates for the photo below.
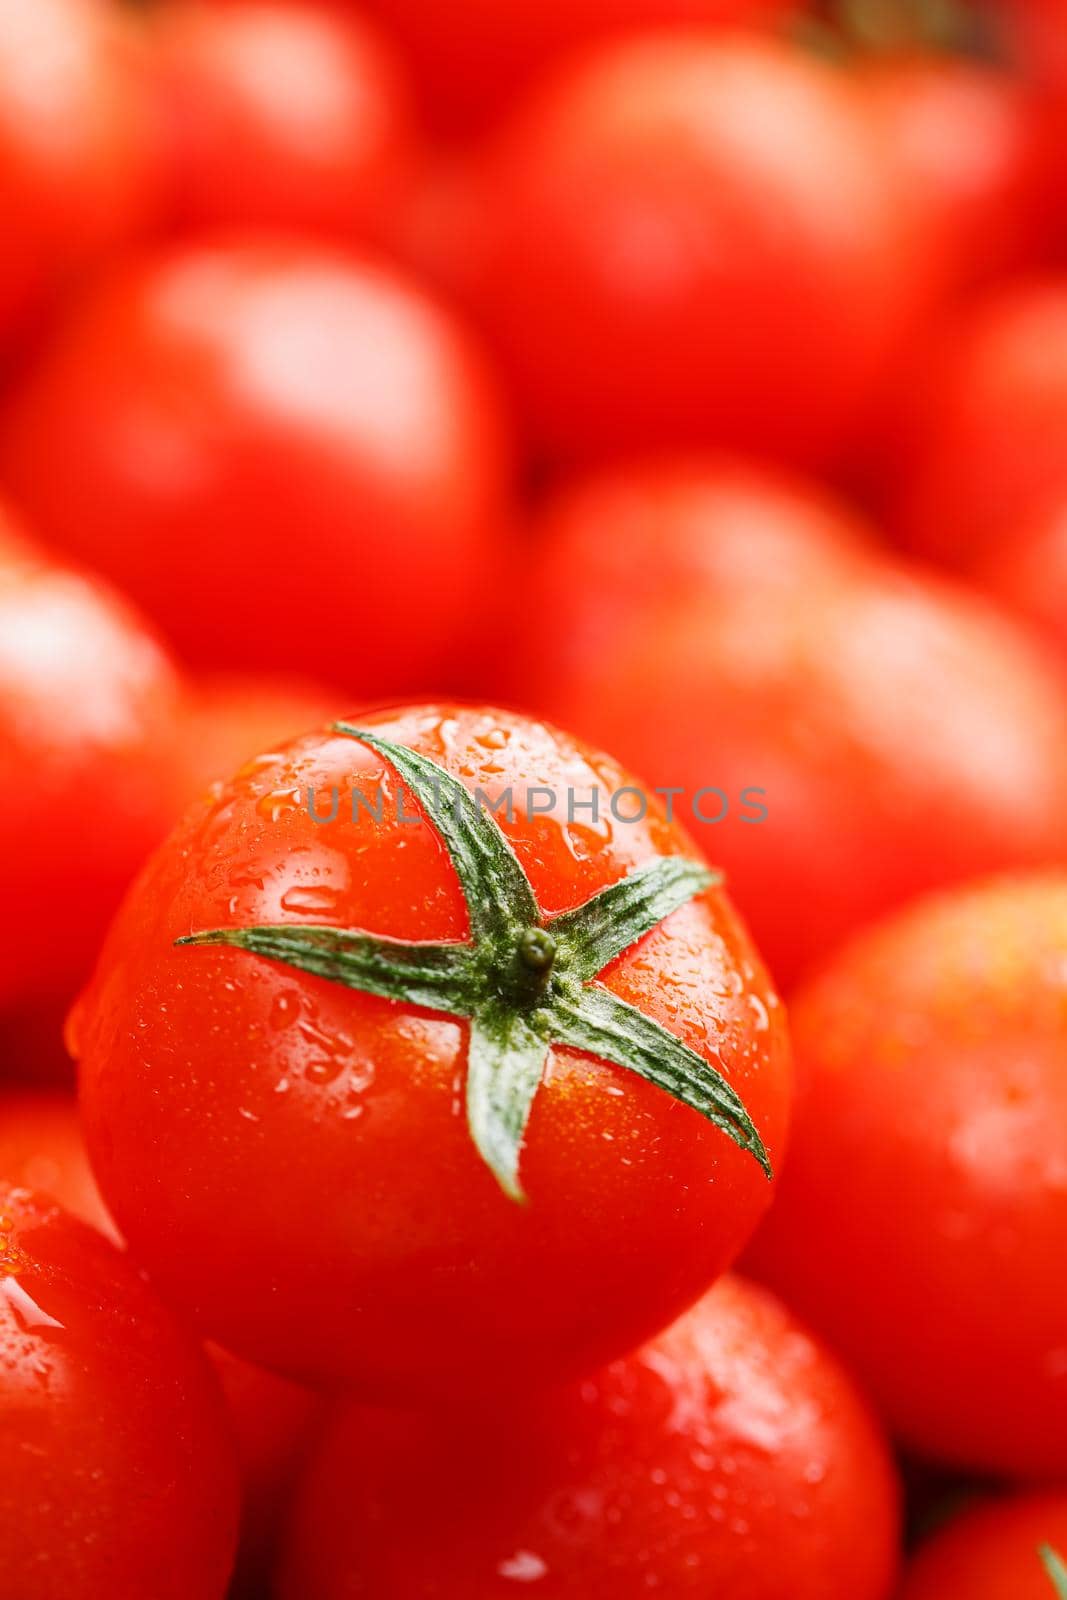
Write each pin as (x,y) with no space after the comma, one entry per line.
(923,1211)
(87,700)
(989,425)
(471,58)
(116,1472)
(42,1148)
(844,733)
(991,1551)
(731,1456)
(75,147)
(226,718)
(731,259)
(332,1180)
(281,114)
(1029,571)
(292,459)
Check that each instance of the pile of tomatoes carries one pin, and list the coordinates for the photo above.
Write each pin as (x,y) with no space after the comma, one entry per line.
(533,794)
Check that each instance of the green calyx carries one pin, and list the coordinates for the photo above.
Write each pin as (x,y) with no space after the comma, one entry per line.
(1055,1568)
(524,982)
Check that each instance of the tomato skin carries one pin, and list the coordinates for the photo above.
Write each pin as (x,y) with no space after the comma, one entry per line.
(281,115)
(470,59)
(116,1473)
(988,426)
(731,1456)
(245,1070)
(990,1551)
(240,385)
(84,794)
(1029,572)
(227,718)
(931,1119)
(723,627)
(67,65)
(661,169)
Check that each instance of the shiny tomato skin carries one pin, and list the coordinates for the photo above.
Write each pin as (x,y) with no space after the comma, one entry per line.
(117,1474)
(280,115)
(292,1157)
(226,718)
(732,1456)
(87,704)
(470,58)
(987,430)
(731,263)
(292,458)
(923,1210)
(76,148)
(723,627)
(990,1551)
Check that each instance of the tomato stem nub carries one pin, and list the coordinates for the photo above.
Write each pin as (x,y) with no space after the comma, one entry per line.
(523,982)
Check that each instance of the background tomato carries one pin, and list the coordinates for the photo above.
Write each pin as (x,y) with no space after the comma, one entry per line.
(734,632)
(116,1473)
(1028,572)
(991,1551)
(389,1256)
(229,718)
(254,434)
(923,1209)
(731,1456)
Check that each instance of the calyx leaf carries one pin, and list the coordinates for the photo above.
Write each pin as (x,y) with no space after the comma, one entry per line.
(525,982)
(1055,1568)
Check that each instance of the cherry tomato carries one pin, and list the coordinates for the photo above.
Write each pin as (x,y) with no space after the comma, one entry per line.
(370,1185)
(844,733)
(732,1456)
(991,1551)
(87,703)
(42,1148)
(1029,572)
(116,1471)
(227,718)
(75,147)
(731,261)
(292,459)
(924,1210)
(471,57)
(281,114)
(989,425)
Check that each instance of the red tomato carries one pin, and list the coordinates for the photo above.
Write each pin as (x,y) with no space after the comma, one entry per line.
(730,1457)
(290,1155)
(281,114)
(228,718)
(289,457)
(42,1148)
(923,1216)
(728,259)
(116,1473)
(989,425)
(87,701)
(470,57)
(731,632)
(74,147)
(991,1551)
(1029,573)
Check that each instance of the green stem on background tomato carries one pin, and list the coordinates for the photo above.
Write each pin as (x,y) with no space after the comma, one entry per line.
(1056,1570)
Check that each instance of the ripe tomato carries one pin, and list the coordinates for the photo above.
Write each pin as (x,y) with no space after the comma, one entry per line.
(87,700)
(226,718)
(470,58)
(116,1473)
(933,1122)
(75,162)
(728,261)
(287,456)
(989,425)
(281,114)
(291,1156)
(732,1457)
(1029,571)
(42,1148)
(991,1552)
(733,633)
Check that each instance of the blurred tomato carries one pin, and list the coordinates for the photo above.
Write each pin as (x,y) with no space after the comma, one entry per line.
(42,1148)
(1028,572)
(291,458)
(228,718)
(75,146)
(470,56)
(689,239)
(729,1457)
(87,708)
(281,113)
(988,425)
(922,1222)
(991,1551)
(734,633)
